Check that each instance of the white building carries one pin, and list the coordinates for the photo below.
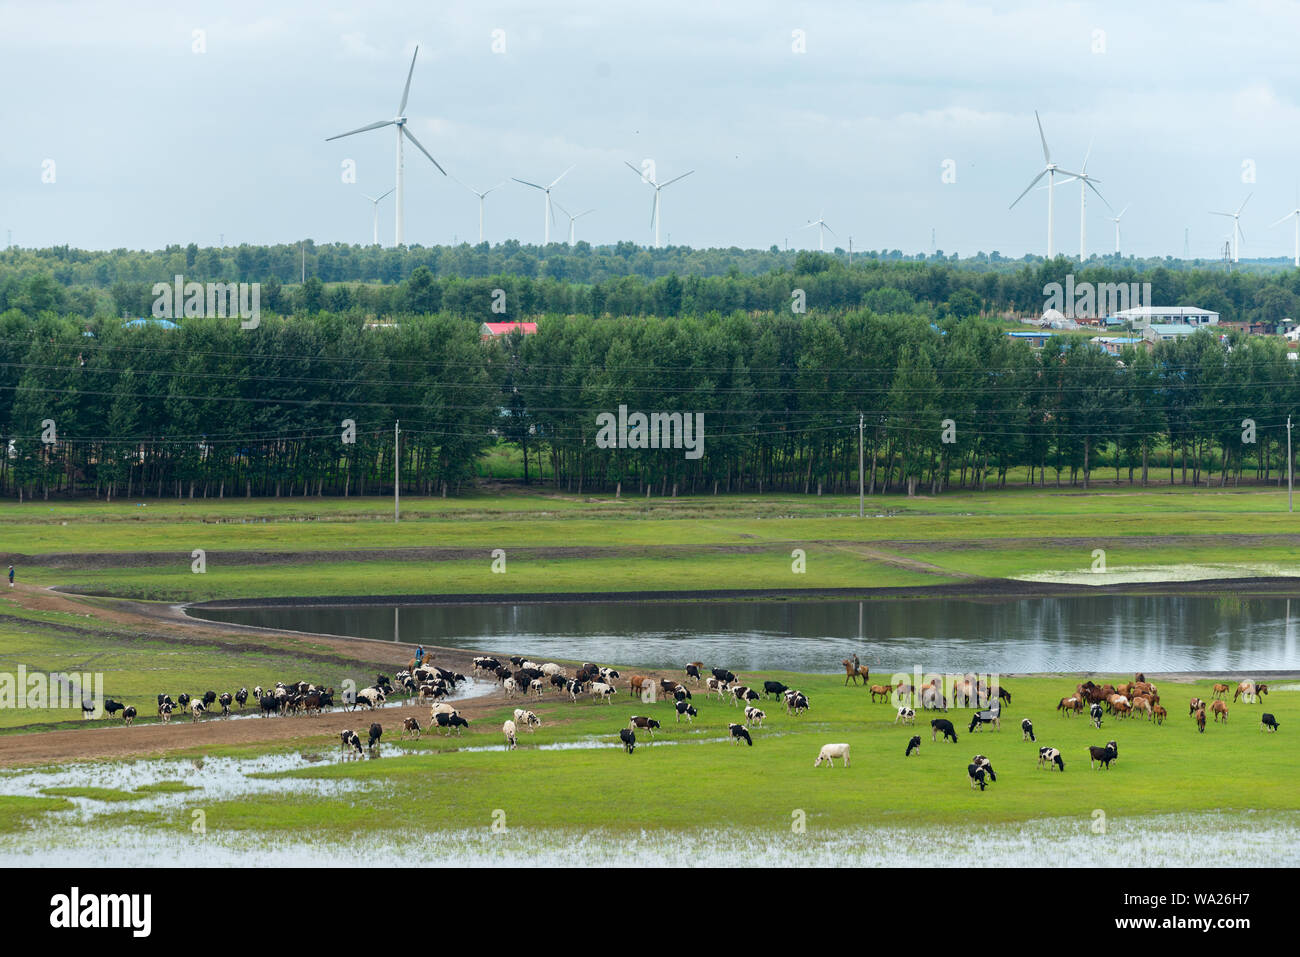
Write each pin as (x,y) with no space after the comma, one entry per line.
(1143,316)
(1164,331)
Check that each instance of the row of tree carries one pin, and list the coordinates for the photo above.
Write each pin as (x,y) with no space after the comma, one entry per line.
(307,405)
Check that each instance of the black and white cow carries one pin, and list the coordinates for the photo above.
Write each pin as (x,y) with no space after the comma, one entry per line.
(943,726)
(724,676)
(1095,713)
(686,711)
(1049,758)
(641,722)
(450,722)
(913,745)
(738,734)
(241,698)
(225,699)
(775,689)
(128,714)
(754,717)
(628,739)
(977,775)
(350,739)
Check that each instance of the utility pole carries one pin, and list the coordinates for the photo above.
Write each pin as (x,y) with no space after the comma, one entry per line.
(861,462)
(1290,468)
(397,472)
(850,250)
(304,263)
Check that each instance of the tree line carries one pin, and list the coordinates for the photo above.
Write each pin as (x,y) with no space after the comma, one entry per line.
(306,405)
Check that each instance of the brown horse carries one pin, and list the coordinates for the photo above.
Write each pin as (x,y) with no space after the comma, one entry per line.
(1200,720)
(1220,691)
(884,691)
(1196,705)
(1220,708)
(1159,713)
(861,671)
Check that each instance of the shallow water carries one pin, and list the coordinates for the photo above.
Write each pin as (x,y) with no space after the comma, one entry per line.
(1230,839)
(1111,633)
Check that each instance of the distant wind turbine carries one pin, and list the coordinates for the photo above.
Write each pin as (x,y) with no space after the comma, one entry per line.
(823,229)
(548,215)
(572,219)
(1237,234)
(655,216)
(400,122)
(1049,170)
(1115,220)
(1294,213)
(1085,183)
(481,197)
(374,201)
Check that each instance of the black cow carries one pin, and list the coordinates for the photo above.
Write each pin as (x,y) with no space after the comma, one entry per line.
(739,733)
(722,674)
(241,698)
(1266,720)
(1004,694)
(452,722)
(269,704)
(693,672)
(182,700)
(225,699)
(942,725)
(376,730)
(643,723)
(113,707)
(687,711)
(1104,755)
(682,694)
(628,739)
(209,697)
(913,745)
(774,688)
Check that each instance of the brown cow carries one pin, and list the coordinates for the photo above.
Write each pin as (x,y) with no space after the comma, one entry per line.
(1220,708)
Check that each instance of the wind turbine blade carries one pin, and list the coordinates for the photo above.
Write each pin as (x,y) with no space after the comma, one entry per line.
(1099,196)
(1066,172)
(1028,188)
(497,186)
(580,215)
(654,209)
(1084,167)
(828,229)
(1047,154)
(360,129)
(676,178)
(406,91)
(411,136)
(1122,212)
(809,226)
(1244,202)
(373,200)
(561,209)
(526,183)
(560,177)
(640,173)
(1213,213)
(1241,232)
(1281,221)
(382,195)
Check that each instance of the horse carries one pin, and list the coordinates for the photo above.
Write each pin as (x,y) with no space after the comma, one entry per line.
(861,671)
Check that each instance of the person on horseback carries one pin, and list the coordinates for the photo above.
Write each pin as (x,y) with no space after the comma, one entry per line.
(419,655)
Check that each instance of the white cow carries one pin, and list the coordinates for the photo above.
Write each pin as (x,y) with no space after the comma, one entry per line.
(527,719)
(830,752)
(509,730)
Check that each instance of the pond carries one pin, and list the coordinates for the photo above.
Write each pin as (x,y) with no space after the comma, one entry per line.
(1110,633)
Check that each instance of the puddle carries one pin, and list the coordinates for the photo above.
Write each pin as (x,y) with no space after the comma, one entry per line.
(1126,574)
(1234,839)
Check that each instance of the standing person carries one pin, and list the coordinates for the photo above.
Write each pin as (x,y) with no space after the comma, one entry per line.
(419,655)
(11,574)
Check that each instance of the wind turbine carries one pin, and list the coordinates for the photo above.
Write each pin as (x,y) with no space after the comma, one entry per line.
(1296,213)
(654,211)
(547,213)
(1115,220)
(1049,170)
(481,197)
(572,219)
(1085,183)
(823,229)
(374,201)
(1237,234)
(398,121)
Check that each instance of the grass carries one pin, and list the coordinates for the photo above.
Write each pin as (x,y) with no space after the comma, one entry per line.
(703,782)
(97,794)
(19,812)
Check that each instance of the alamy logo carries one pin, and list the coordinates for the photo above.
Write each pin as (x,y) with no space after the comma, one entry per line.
(209,300)
(658,430)
(55,690)
(75,909)
(1087,300)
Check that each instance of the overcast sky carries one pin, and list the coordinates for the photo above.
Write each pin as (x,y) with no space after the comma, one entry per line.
(154,143)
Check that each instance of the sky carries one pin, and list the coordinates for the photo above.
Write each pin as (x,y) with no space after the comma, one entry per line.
(143,124)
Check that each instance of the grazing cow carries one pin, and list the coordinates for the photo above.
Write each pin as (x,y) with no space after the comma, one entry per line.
(1266,720)
(165,712)
(716,686)
(693,671)
(740,694)
(913,745)
(977,775)
(113,707)
(1070,706)
(830,752)
(511,687)
(1200,720)
(196,709)
(1049,758)
(1102,755)
(349,739)
(738,734)
(508,729)
(682,694)
(686,711)
(601,690)
(128,714)
(1220,691)
(225,699)
(638,721)
(410,728)
(796,702)
(992,716)
(376,730)
(754,717)
(905,715)
(449,721)
(1219,709)
(1159,713)
(670,688)
(628,739)
(724,676)
(945,726)
(980,761)
(882,692)
(1027,730)
(1094,712)
(775,689)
